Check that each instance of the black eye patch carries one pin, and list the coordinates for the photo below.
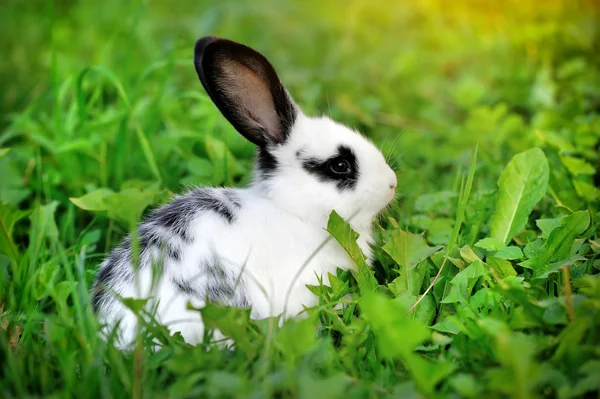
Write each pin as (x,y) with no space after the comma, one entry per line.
(342,168)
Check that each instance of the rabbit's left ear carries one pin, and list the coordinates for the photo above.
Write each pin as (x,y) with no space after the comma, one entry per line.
(246,89)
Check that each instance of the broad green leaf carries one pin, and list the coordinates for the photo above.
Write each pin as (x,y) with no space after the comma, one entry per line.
(558,245)
(3,152)
(546,225)
(127,205)
(468,255)
(346,237)
(450,325)
(93,201)
(503,268)
(490,244)
(409,251)
(510,252)
(521,185)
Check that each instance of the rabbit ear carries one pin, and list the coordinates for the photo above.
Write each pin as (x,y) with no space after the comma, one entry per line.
(246,89)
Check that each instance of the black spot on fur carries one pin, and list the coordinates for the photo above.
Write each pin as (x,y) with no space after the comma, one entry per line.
(149,238)
(178,214)
(186,287)
(266,163)
(223,287)
(233,198)
(321,168)
(114,268)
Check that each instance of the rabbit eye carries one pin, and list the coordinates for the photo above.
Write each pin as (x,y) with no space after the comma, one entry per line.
(340,166)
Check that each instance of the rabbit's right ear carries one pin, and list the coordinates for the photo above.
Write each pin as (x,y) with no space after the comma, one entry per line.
(246,89)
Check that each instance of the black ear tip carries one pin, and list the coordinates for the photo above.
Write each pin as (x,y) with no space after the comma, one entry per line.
(202,44)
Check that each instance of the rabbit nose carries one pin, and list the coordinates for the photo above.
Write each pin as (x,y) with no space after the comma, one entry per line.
(393,182)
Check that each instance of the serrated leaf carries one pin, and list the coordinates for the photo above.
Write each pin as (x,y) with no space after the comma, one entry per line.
(398,335)
(339,288)
(346,237)
(558,245)
(463,283)
(521,185)
(425,310)
(409,251)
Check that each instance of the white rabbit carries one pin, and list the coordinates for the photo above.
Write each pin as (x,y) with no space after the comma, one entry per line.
(249,247)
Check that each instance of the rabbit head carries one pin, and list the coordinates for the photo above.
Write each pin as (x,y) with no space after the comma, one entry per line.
(308,166)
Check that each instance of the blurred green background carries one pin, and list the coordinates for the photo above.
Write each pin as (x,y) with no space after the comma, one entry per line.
(105,118)
(427,80)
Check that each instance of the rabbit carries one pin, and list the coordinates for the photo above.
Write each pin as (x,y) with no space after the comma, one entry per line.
(255,247)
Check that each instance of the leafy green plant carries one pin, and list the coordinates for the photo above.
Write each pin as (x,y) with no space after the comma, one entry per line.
(485,273)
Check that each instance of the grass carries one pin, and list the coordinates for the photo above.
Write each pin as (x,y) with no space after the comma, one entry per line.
(490,113)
